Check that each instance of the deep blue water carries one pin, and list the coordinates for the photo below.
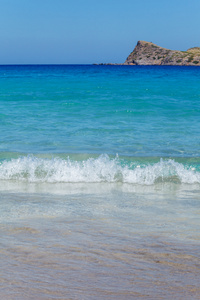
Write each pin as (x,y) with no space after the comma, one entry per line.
(142,111)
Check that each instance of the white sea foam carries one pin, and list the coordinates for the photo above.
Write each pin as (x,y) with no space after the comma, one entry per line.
(101,169)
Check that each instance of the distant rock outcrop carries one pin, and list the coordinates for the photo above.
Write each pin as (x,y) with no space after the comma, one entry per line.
(146,53)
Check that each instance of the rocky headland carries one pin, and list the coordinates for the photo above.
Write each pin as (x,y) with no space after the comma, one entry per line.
(146,53)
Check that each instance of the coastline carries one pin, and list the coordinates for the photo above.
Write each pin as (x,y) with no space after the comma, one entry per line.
(146,53)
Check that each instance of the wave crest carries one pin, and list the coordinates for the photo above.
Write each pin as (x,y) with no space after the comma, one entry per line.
(101,169)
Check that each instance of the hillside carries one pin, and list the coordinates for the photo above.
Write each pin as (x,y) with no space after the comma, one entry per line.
(146,53)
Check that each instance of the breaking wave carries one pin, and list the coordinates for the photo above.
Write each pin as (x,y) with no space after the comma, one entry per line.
(101,169)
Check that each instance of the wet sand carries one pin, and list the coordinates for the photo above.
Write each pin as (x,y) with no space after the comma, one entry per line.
(87,259)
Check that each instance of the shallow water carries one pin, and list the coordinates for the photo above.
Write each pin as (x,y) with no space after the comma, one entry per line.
(99,182)
(92,242)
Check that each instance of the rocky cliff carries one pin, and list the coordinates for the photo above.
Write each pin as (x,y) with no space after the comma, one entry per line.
(146,53)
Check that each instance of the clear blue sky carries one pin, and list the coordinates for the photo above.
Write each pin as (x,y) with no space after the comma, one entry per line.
(92,31)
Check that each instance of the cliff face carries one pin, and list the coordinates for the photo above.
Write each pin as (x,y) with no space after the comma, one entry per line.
(146,53)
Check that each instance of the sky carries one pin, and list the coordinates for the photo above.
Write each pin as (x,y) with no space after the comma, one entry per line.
(93,31)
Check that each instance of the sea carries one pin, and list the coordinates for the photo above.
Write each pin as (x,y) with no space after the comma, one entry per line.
(99,182)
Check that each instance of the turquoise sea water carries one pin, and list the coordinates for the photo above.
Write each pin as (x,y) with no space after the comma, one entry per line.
(100,182)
